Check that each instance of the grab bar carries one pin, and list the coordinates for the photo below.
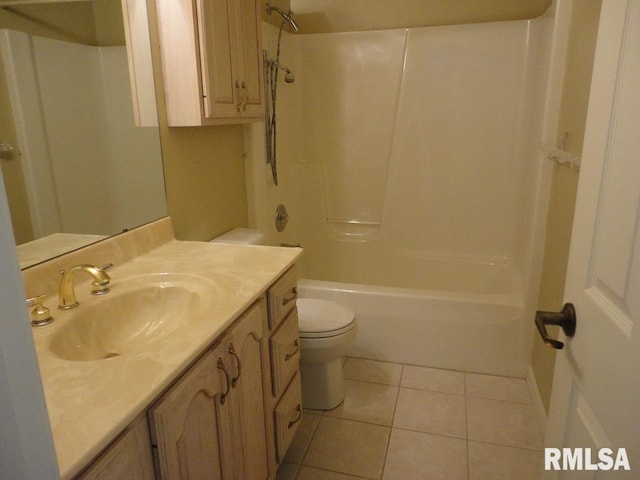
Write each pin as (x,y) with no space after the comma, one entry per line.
(353,222)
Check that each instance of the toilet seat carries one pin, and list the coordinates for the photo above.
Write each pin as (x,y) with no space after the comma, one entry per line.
(323,318)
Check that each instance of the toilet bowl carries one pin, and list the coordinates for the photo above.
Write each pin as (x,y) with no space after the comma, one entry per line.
(326,331)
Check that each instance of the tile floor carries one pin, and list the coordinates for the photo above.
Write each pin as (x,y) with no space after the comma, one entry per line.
(406,422)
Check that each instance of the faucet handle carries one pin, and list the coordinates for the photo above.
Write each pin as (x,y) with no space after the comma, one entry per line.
(104,267)
(40,315)
(98,288)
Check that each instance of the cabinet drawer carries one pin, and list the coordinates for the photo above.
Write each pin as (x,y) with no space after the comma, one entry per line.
(285,353)
(282,297)
(287,416)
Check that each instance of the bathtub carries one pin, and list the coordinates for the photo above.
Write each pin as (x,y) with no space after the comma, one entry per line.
(477,330)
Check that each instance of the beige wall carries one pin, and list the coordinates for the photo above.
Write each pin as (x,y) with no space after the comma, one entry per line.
(575,96)
(204,176)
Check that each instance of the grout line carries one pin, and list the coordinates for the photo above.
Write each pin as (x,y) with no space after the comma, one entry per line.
(429,433)
(306,449)
(393,417)
(434,391)
(351,379)
(323,469)
(529,449)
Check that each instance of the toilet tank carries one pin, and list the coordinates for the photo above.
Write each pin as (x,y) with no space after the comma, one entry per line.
(243,236)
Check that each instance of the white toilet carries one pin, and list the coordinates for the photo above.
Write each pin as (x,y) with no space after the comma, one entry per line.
(244,236)
(326,331)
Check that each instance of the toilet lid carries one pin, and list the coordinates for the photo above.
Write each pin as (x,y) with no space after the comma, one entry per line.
(323,318)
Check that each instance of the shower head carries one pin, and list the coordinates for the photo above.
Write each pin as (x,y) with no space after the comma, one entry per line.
(287,17)
(288,74)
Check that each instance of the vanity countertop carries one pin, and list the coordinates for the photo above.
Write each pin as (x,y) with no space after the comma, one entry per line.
(91,402)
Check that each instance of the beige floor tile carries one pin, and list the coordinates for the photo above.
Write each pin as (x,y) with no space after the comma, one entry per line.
(431,412)
(309,473)
(434,379)
(497,462)
(345,446)
(503,423)
(498,388)
(367,402)
(422,456)
(287,471)
(301,441)
(372,371)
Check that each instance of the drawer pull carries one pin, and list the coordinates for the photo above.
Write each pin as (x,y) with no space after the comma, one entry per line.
(232,352)
(238,96)
(291,297)
(298,417)
(246,96)
(223,396)
(296,349)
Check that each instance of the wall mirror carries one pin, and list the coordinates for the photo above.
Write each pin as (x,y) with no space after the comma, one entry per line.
(76,167)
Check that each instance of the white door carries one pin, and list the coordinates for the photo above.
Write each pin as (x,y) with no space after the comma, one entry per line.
(596,394)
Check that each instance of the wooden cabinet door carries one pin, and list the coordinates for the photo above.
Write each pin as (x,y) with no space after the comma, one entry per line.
(247,356)
(189,426)
(221,84)
(250,42)
(230,58)
(211,52)
(128,457)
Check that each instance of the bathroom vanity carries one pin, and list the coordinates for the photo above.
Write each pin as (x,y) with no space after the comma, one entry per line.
(217,389)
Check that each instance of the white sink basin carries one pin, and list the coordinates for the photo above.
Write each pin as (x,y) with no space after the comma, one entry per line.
(138,312)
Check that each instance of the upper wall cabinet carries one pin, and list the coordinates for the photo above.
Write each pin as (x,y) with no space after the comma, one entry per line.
(211,55)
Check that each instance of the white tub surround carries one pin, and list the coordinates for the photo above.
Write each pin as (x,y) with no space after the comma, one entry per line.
(90,402)
(431,188)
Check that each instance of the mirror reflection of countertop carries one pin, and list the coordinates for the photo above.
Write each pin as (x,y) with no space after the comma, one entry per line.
(91,401)
(53,245)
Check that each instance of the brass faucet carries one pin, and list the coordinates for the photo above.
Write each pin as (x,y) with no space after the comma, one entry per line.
(66,293)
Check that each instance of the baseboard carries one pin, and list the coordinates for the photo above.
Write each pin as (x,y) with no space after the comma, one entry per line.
(537,401)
